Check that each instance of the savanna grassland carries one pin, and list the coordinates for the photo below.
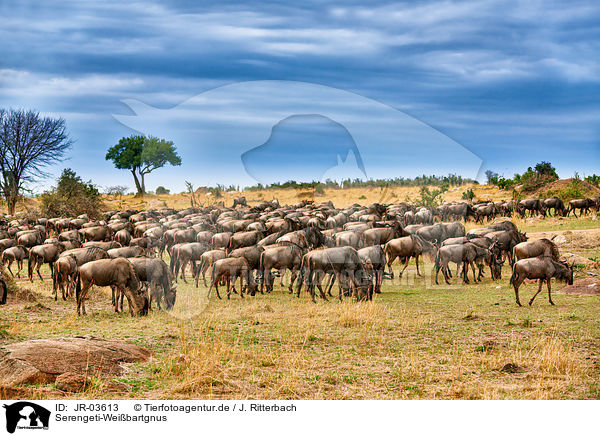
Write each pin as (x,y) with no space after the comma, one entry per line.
(416,340)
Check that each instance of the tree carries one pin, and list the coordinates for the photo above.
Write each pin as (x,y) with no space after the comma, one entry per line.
(141,155)
(28,144)
(71,197)
(546,169)
(492,177)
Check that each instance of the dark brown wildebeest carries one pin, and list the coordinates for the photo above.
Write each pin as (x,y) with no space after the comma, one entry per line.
(244,239)
(483,242)
(468,254)
(309,237)
(18,254)
(348,238)
(64,273)
(406,247)
(6,243)
(123,237)
(182,254)
(156,274)
(184,235)
(133,251)
(485,211)
(4,291)
(381,235)
(221,240)
(285,256)
(105,245)
(374,259)
(539,247)
(555,204)
(41,254)
(533,205)
(118,274)
(543,269)
(96,233)
(207,259)
(345,263)
(229,269)
(71,235)
(251,254)
(582,204)
(204,236)
(30,238)
(271,239)
(506,241)
(86,254)
(239,201)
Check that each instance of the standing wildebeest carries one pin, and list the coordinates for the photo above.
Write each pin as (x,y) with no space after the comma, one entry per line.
(221,240)
(4,291)
(543,269)
(539,247)
(156,273)
(96,233)
(230,269)
(30,238)
(133,251)
(86,254)
(533,205)
(583,204)
(105,245)
(118,274)
(239,200)
(374,259)
(485,211)
(348,238)
(345,263)
(556,204)
(468,254)
(207,259)
(41,254)
(406,247)
(506,241)
(6,243)
(182,254)
(123,237)
(284,257)
(18,253)
(381,235)
(244,239)
(64,273)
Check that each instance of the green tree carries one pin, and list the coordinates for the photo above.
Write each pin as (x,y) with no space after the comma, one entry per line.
(141,155)
(71,197)
(546,169)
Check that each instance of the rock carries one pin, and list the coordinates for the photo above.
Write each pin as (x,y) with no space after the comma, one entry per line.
(72,382)
(115,386)
(578,260)
(157,204)
(43,360)
(559,239)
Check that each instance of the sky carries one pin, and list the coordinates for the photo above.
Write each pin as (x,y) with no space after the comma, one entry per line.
(259,91)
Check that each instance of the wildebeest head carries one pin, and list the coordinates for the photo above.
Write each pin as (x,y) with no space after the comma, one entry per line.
(170,297)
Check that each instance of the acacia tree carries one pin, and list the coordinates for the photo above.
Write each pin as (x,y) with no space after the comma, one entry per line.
(28,144)
(141,155)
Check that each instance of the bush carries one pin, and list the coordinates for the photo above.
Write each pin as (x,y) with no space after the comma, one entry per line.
(162,190)
(431,198)
(71,197)
(468,195)
(116,190)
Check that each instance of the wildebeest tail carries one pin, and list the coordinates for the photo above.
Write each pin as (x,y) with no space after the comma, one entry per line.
(77,286)
(30,266)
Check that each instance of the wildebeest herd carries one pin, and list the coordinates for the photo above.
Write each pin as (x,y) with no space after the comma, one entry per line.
(352,246)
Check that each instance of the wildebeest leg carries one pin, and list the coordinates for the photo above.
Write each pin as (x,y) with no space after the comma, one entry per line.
(229,286)
(37,269)
(516,281)
(378,280)
(330,285)
(184,263)
(405,261)
(417,262)
(293,279)
(549,291)
(475,279)
(310,286)
(541,283)
(281,276)
(465,272)
(319,279)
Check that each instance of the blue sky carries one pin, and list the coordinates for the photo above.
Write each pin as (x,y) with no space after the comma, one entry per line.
(473,84)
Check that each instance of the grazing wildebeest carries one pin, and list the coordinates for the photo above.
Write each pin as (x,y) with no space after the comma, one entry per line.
(221,240)
(123,237)
(583,204)
(6,243)
(374,259)
(86,254)
(230,269)
(555,204)
(539,247)
(118,274)
(156,274)
(133,251)
(30,238)
(96,233)
(543,269)
(64,273)
(345,263)
(288,256)
(506,241)
(485,211)
(105,245)
(406,247)
(467,254)
(206,261)
(182,254)
(41,254)
(18,254)
(239,201)
(533,205)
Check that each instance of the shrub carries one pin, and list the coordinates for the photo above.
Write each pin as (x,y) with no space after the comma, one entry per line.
(116,190)
(71,197)
(431,198)
(468,195)
(162,190)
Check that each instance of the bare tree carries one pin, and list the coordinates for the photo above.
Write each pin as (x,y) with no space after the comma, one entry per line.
(28,144)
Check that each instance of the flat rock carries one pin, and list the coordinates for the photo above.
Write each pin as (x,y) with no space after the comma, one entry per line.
(72,382)
(578,260)
(43,360)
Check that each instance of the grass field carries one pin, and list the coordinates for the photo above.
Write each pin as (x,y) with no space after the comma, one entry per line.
(416,340)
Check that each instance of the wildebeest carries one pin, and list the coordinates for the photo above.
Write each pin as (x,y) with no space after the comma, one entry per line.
(230,269)
(543,269)
(539,247)
(64,273)
(241,201)
(345,263)
(244,239)
(18,253)
(206,261)
(381,235)
(105,245)
(374,260)
(4,291)
(118,274)
(221,240)
(468,254)
(86,254)
(132,251)
(348,238)
(182,254)
(41,254)
(506,241)
(96,233)
(156,273)
(281,258)
(30,238)
(406,247)
(555,204)
(533,205)
(582,204)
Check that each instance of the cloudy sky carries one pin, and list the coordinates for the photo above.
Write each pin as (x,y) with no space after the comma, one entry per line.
(496,84)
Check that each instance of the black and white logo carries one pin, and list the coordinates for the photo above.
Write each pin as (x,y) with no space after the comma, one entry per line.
(26,415)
